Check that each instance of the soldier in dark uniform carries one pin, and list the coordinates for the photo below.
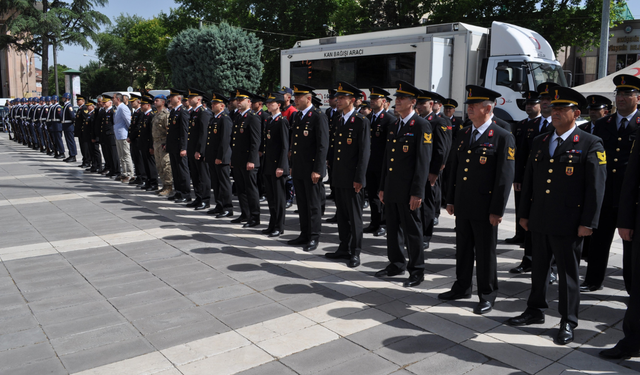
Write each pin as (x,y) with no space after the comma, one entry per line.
(309,146)
(176,147)
(88,126)
(275,164)
(538,125)
(68,120)
(481,176)
(145,143)
(380,120)
(245,160)
(598,106)
(351,157)
(196,145)
(618,133)
(406,159)
(629,229)
(55,126)
(331,113)
(561,199)
(449,110)
(132,138)
(530,103)
(440,151)
(108,139)
(218,156)
(78,127)
(257,103)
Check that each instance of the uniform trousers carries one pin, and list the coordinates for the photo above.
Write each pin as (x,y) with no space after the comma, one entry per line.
(520,232)
(70,139)
(309,198)
(85,151)
(199,172)
(149,165)
(476,239)
(276,199)
(247,190)
(180,172)
(96,158)
(349,212)
(124,155)
(110,153)
(428,209)
(566,251)
(631,322)
(163,163)
(404,228)
(599,247)
(376,207)
(221,184)
(136,159)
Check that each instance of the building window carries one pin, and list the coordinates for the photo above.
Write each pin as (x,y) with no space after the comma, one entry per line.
(586,69)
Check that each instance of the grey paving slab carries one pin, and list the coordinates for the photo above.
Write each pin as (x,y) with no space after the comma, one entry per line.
(253,315)
(83,324)
(186,333)
(11,359)
(144,297)
(94,338)
(156,307)
(271,368)
(385,334)
(22,338)
(452,361)
(173,319)
(323,357)
(105,354)
(369,363)
(50,366)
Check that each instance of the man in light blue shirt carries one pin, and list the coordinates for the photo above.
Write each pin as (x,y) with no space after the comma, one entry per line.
(121,123)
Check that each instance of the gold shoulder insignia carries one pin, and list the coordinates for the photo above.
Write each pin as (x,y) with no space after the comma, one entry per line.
(512,154)
(444,128)
(427,137)
(602,156)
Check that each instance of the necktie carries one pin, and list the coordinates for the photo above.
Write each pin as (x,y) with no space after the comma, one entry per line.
(553,147)
(474,135)
(341,120)
(401,125)
(544,126)
(623,123)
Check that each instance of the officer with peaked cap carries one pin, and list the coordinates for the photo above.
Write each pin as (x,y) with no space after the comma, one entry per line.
(67,119)
(598,107)
(132,138)
(331,113)
(196,153)
(618,133)
(108,138)
(218,155)
(176,146)
(561,199)
(351,158)
(309,146)
(481,174)
(88,135)
(380,120)
(78,127)
(257,103)
(145,144)
(275,164)
(407,156)
(245,160)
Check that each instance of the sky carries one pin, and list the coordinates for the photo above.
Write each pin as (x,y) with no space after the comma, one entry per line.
(74,57)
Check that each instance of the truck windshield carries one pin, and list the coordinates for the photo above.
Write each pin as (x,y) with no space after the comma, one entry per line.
(542,73)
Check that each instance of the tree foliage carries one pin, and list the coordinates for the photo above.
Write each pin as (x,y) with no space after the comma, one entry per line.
(32,25)
(218,57)
(52,78)
(96,79)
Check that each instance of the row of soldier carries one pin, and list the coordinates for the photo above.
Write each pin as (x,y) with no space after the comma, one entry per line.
(404,162)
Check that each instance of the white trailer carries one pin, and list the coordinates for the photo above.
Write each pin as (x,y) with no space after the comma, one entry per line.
(442,58)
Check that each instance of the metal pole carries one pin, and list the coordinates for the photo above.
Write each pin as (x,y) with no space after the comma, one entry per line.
(55,67)
(603,58)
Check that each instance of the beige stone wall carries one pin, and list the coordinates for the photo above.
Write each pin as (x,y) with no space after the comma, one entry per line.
(18,74)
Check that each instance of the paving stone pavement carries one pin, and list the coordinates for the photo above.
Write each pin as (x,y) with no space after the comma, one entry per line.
(101,278)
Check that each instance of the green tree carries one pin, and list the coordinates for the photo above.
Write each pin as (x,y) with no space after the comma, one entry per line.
(218,58)
(52,77)
(96,79)
(33,25)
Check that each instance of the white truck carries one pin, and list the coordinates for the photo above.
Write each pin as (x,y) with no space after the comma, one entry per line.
(442,58)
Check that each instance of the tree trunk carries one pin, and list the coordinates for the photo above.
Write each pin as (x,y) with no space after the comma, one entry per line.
(45,56)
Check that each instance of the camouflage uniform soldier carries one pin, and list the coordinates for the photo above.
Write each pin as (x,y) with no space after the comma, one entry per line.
(159,128)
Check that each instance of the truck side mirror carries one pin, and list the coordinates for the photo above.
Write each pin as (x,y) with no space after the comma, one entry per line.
(518,78)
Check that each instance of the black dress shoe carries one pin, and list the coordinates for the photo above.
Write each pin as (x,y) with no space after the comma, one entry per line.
(224,214)
(338,255)
(182,200)
(517,239)
(60,156)
(136,181)
(425,245)
(202,206)
(240,219)
(453,295)
(565,334)
(298,241)
(173,197)
(251,224)
(365,204)
(263,199)
(312,245)
(353,262)
(526,318)
(413,280)
(380,232)
(331,196)
(267,231)
(436,221)
(483,307)
(520,269)
(195,203)
(289,204)
(276,233)
(216,210)
(370,229)
(589,288)
(151,188)
(619,353)
(553,277)
(388,273)
(333,219)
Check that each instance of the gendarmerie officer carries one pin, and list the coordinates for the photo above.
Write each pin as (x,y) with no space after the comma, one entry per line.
(561,199)
(54,124)
(481,176)
(218,156)
(598,106)
(352,147)
(196,149)
(309,146)
(406,161)
(78,127)
(108,138)
(449,110)
(440,151)
(88,128)
(68,120)
(380,121)
(618,133)
(275,163)
(145,143)
(176,147)
(132,138)
(245,160)
(629,230)
(540,124)
(331,113)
